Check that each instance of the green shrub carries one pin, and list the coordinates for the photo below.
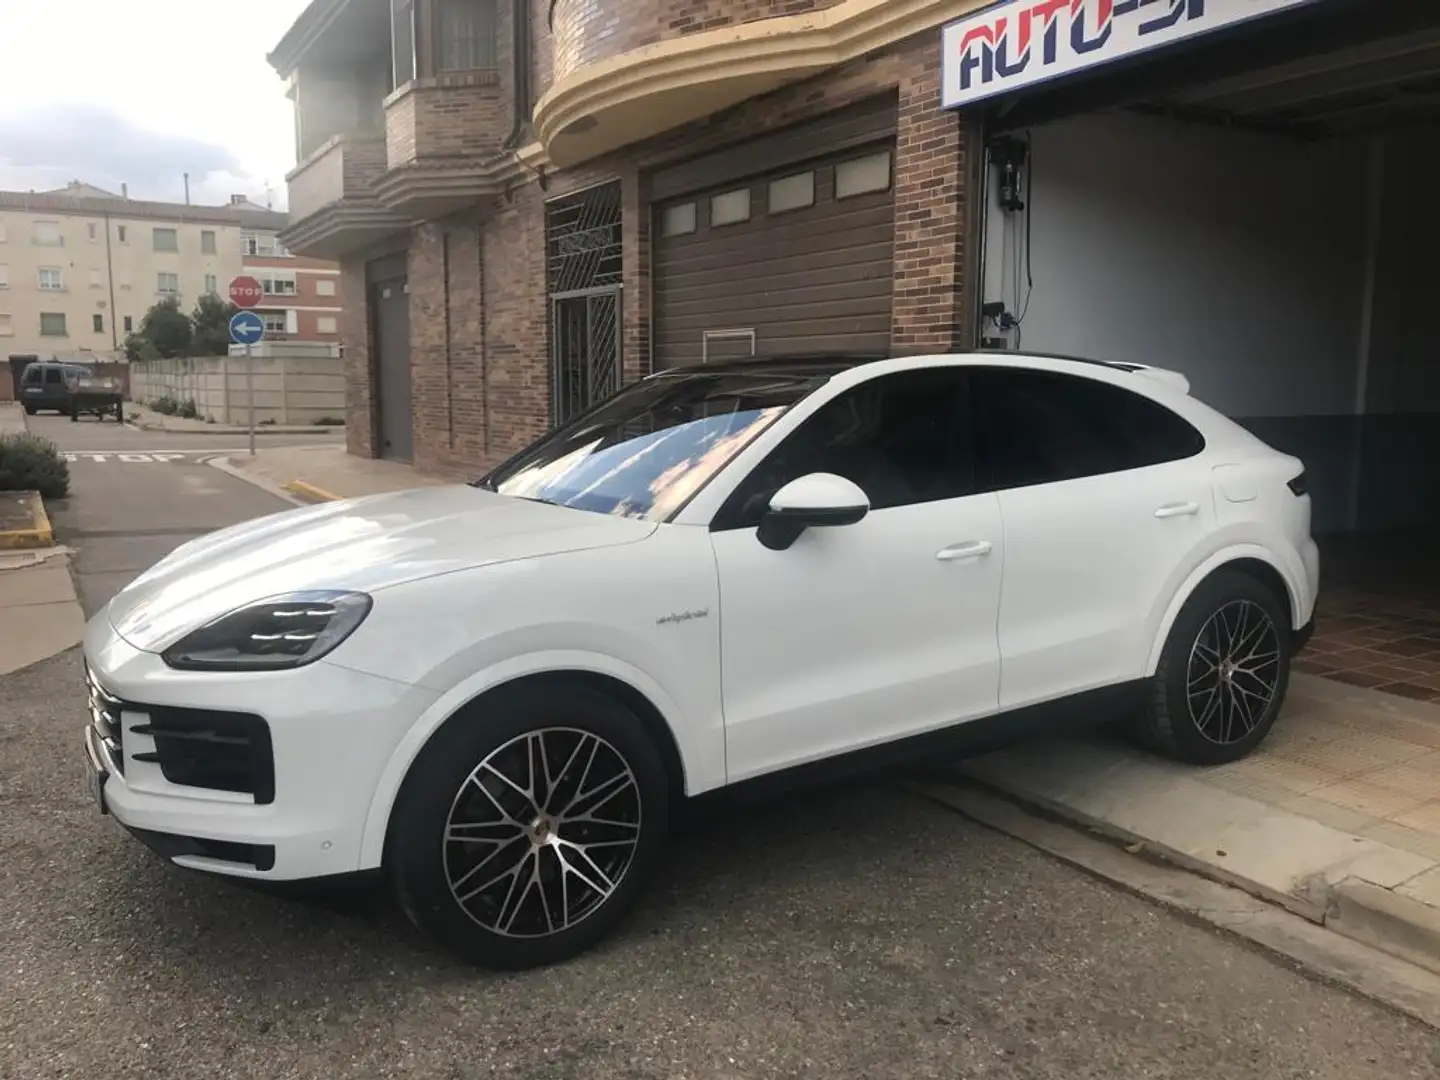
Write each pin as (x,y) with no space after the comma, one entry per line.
(31,463)
(188,410)
(165,404)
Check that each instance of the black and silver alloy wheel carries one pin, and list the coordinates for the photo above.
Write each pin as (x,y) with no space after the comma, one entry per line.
(1234,672)
(1223,672)
(542,832)
(528,825)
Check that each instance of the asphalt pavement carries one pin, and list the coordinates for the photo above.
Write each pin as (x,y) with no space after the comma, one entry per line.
(136,495)
(853,932)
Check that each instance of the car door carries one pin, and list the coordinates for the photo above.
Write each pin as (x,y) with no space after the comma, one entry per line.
(1105,501)
(54,396)
(861,634)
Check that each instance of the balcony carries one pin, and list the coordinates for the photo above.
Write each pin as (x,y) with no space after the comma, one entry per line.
(444,137)
(626,70)
(333,206)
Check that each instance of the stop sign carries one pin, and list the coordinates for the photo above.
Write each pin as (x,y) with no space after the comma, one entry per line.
(245,291)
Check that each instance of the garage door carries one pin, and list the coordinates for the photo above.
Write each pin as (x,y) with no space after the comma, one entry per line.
(798,258)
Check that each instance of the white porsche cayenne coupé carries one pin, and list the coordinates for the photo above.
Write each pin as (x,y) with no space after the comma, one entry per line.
(497,693)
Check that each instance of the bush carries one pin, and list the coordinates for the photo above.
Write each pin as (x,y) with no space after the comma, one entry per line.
(165,404)
(188,410)
(30,463)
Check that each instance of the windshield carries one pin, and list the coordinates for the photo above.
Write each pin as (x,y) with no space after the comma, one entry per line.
(644,452)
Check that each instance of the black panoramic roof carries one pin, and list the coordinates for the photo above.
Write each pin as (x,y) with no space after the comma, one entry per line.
(827,364)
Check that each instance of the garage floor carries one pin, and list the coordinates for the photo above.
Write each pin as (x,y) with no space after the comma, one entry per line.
(1379,615)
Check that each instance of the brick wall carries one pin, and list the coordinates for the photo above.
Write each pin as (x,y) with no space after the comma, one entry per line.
(591,30)
(360,436)
(450,116)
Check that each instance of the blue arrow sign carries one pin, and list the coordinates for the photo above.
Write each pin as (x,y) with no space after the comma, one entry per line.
(246,328)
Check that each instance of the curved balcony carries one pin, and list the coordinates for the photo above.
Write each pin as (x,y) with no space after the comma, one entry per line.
(626,70)
(588,31)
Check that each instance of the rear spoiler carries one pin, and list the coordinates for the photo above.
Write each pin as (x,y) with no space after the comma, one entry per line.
(1172,379)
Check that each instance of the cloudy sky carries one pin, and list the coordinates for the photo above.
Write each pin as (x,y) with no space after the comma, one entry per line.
(143,91)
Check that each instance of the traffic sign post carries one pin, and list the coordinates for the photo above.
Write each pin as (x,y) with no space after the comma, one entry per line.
(247,328)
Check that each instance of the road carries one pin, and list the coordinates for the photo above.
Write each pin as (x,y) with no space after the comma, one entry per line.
(854,932)
(136,495)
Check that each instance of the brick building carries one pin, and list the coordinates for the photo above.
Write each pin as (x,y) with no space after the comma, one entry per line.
(597,226)
(532,201)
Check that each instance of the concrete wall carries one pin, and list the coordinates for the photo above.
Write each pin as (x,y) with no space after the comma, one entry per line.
(1246,262)
(291,386)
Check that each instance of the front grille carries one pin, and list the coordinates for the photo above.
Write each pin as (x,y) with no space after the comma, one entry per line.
(223,751)
(105,716)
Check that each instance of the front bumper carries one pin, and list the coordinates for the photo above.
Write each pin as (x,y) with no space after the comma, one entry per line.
(331,733)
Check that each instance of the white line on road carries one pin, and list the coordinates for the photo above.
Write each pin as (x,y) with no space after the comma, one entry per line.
(131,457)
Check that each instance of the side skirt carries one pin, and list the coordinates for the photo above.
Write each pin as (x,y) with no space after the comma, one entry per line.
(1079,712)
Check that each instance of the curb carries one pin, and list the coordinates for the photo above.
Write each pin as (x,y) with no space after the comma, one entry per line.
(39,535)
(223,464)
(310,493)
(1386,920)
(1342,960)
(217,429)
(1362,911)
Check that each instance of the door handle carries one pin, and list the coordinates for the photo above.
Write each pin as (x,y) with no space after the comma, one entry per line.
(1174,510)
(974,549)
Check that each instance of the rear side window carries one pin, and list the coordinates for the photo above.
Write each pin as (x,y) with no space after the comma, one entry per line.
(1040,427)
(31,377)
(52,375)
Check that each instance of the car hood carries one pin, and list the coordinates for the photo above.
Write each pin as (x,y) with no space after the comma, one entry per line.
(363,544)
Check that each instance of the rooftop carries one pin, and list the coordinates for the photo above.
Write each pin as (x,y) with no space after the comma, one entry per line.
(79,198)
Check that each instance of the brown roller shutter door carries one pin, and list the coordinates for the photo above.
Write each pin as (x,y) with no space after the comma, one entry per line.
(808,278)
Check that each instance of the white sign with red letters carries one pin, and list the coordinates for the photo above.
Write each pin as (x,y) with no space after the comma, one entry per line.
(1012,45)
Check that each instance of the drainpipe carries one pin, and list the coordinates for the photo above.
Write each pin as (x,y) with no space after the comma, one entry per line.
(520,68)
(110,281)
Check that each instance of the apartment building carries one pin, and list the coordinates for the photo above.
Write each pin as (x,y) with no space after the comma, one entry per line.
(302,295)
(80,267)
(535,201)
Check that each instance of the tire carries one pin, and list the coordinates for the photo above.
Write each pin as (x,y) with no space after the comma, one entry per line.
(494,927)
(29,410)
(1195,712)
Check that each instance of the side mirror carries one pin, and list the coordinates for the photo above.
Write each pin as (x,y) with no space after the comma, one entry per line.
(816,500)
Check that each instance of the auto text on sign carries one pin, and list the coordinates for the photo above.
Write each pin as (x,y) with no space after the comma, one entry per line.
(1010,46)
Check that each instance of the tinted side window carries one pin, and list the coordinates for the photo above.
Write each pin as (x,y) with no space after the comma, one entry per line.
(31,377)
(904,439)
(1039,427)
(52,375)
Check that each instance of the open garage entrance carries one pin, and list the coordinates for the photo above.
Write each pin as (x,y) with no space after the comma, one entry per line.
(1257,208)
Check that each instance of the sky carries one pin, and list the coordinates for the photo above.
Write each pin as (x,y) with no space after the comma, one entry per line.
(141,92)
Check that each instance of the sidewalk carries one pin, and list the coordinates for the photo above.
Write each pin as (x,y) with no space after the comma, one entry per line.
(12,418)
(40,614)
(147,419)
(1336,817)
(323,473)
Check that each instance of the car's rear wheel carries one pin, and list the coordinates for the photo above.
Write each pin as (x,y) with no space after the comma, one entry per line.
(1223,674)
(29,410)
(527,827)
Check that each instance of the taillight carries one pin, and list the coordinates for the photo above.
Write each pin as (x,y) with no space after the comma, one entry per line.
(1299,485)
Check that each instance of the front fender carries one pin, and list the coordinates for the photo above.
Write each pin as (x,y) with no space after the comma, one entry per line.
(702,752)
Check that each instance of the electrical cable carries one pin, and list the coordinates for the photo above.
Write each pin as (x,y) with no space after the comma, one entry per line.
(1029,232)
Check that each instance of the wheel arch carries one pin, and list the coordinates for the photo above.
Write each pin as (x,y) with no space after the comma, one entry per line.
(1254,562)
(492,689)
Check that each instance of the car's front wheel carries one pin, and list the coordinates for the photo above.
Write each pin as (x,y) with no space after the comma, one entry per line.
(528,825)
(1223,674)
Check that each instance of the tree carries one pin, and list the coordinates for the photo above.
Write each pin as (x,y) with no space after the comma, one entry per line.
(211,326)
(165,329)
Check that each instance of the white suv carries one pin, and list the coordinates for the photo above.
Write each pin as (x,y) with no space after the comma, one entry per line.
(498,692)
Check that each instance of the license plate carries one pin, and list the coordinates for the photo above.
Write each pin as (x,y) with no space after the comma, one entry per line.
(95,775)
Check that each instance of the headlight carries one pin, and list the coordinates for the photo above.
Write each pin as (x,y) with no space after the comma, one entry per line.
(282,632)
